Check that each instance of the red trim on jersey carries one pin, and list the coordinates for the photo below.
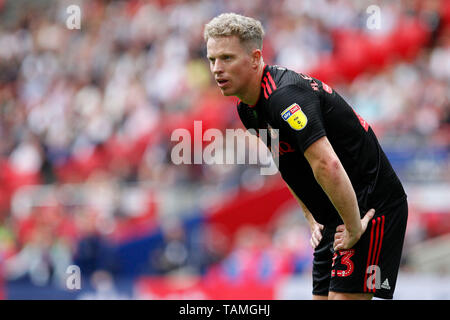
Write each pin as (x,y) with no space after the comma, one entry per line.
(271,81)
(269,85)
(269,89)
(265,94)
(363,122)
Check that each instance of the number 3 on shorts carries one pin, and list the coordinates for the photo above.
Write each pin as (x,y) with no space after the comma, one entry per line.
(345,260)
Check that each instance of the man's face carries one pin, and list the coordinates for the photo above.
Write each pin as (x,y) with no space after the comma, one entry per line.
(230,64)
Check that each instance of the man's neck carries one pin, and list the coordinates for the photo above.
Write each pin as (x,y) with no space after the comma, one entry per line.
(254,88)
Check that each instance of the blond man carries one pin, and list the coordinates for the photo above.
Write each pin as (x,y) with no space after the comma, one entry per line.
(351,197)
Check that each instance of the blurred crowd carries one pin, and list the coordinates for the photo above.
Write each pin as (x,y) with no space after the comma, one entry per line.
(95,107)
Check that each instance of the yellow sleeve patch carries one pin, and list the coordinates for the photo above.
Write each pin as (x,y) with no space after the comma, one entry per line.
(295,117)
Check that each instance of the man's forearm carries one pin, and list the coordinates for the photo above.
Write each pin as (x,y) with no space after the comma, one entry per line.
(333,179)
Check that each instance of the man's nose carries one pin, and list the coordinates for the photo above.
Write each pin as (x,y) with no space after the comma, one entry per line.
(217,67)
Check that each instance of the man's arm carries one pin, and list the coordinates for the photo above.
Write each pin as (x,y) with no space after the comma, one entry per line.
(333,179)
(298,111)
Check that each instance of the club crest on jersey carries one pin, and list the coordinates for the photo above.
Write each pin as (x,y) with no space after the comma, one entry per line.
(295,117)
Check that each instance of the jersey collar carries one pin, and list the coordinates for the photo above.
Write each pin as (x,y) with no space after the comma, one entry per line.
(260,91)
(262,76)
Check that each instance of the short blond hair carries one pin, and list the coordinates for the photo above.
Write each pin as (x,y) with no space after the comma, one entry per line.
(250,31)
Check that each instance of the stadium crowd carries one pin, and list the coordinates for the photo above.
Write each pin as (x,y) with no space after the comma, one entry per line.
(94,109)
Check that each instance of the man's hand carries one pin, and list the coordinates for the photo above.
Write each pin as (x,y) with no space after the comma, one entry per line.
(344,239)
(316,234)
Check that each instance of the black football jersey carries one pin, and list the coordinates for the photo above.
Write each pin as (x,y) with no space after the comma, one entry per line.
(305,109)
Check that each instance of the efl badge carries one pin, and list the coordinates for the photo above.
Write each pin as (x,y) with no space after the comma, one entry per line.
(295,117)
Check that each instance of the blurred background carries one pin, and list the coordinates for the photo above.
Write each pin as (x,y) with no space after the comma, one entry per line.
(86,117)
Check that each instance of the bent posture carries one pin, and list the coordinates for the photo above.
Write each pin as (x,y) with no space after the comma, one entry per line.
(351,197)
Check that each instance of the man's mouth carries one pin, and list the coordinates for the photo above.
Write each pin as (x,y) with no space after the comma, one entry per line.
(221,82)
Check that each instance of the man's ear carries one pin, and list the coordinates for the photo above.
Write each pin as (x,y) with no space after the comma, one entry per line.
(256,58)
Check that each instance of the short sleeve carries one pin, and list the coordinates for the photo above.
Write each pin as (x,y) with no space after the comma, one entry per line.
(297,113)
